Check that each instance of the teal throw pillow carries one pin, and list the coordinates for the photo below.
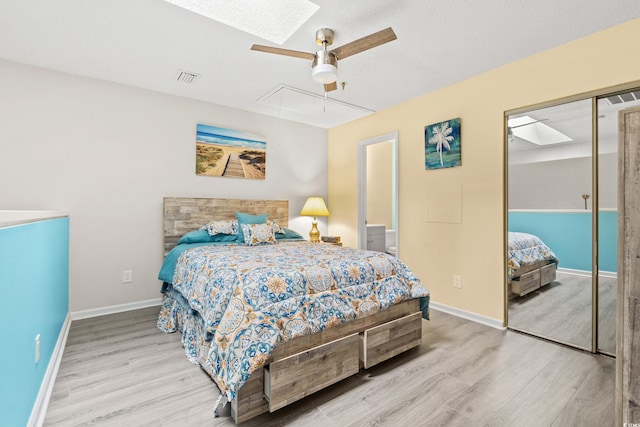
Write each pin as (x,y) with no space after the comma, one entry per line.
(202,236)
(287,233)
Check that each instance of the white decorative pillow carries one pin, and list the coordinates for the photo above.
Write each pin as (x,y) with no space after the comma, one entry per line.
(275,226)
(222,227)
(258,234)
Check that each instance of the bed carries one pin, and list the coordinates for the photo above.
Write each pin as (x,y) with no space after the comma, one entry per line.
(273,323)
(531,264)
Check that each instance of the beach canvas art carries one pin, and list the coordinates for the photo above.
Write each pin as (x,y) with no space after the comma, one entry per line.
(230,153)
(442,145)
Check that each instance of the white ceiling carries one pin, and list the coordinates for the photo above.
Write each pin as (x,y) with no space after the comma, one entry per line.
(143,43)
(573,119)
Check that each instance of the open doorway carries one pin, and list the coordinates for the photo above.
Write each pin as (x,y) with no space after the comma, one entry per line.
(378,193)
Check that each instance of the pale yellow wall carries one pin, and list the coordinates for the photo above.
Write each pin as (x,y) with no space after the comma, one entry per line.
(379,183)
(469,198)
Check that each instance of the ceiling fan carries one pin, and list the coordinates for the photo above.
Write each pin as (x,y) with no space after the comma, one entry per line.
(325,62)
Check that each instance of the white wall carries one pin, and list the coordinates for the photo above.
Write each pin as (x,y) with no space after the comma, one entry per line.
(108,153)
(560,184)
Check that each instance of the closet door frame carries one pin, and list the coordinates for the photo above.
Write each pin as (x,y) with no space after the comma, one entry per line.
(628,337)
(594,96)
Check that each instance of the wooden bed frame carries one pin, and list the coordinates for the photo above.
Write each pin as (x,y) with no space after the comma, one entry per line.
(184,214)
(310,363)
(529,278)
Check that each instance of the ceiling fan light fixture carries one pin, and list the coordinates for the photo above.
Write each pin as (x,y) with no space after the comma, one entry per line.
(325,67)
(325,73)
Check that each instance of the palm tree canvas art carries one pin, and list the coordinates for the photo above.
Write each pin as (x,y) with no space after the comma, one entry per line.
(442,145)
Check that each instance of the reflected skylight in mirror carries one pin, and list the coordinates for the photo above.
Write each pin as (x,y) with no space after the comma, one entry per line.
(535,131)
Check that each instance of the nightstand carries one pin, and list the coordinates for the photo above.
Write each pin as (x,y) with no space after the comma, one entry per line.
(331,240)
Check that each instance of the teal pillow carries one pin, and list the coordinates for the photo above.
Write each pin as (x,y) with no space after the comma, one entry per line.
(287,233)
(202,236)
(244,218)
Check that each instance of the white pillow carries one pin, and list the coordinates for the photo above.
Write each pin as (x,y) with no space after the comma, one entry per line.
(222,227)
(258,234)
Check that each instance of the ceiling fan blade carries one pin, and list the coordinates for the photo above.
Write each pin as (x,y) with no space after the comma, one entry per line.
(286,52)
(365,43)
(330,87)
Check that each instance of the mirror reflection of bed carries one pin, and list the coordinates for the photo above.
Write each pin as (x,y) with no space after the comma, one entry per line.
(552,180)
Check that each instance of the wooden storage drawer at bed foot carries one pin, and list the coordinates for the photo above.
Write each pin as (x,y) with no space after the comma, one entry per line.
(526,283)
(249,401)
(547,274)
(390,339)
(304,373)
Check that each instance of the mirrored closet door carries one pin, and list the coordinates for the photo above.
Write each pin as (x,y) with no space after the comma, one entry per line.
(562,167)
(550,201)
(608,109)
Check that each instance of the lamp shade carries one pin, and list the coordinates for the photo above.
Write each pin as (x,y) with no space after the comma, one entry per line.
(315,206)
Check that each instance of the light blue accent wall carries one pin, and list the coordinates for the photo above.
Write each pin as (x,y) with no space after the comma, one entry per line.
(34,284)
(568,234)
(608,241)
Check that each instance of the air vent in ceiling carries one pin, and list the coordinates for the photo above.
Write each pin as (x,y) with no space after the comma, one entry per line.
(624,97)
(187,77)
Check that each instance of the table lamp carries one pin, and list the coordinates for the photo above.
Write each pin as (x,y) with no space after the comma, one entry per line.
(314,206)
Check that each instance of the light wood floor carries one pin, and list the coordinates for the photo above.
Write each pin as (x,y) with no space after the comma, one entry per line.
(121,370)
(561,310)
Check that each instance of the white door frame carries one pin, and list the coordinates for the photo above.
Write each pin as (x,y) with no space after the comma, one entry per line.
(362,186)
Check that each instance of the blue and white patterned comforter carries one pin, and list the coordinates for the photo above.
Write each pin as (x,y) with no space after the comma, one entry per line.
(526,249)
(251,298)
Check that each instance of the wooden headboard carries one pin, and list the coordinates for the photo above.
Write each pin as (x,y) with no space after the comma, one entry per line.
(184,214)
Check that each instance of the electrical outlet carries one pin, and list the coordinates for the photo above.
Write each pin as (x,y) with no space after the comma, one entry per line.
(457,281)
(127,276)
(37,348)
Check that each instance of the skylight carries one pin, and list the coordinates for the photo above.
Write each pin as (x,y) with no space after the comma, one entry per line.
(535,131)
(272,20)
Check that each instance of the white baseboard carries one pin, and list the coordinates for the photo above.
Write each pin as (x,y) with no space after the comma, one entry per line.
(44,394)
(608,274)
(94,312)
(494,323)
(583,273)
(41,404)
